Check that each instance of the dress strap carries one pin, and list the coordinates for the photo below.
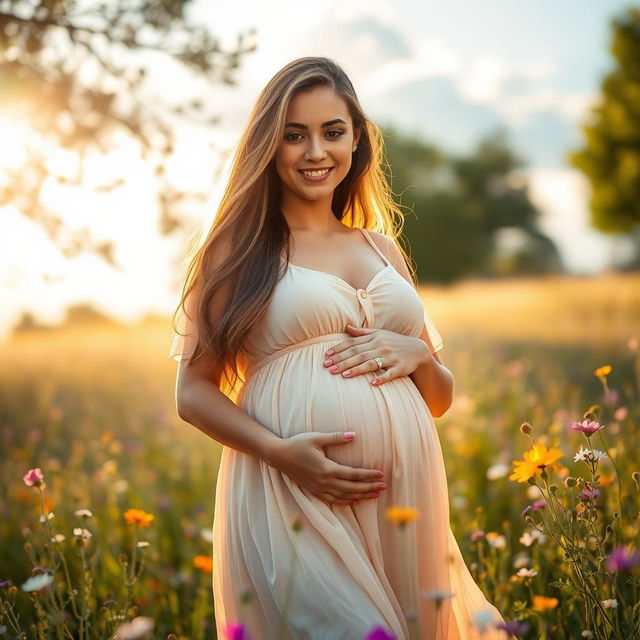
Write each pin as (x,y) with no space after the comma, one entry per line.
(365,233)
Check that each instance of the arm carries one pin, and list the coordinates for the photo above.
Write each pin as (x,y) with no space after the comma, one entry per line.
(433,380)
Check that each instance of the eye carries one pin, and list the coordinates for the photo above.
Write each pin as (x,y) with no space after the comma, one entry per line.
(338,133)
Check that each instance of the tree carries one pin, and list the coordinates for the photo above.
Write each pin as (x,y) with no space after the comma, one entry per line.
(459,206)
(610,158)
(77,70)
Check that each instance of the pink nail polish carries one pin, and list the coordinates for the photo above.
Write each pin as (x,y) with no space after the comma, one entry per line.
(327,362)
(334,368)
(330,352)
(346,373)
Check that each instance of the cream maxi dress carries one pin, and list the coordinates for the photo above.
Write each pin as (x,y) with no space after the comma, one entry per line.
(352,568)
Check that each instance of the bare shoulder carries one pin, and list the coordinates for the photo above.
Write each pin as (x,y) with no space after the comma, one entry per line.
(390,249)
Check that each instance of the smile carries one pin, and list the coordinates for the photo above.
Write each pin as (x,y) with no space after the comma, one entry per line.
(315,175)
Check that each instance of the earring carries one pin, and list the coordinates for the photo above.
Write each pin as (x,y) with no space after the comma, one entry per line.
(354,148)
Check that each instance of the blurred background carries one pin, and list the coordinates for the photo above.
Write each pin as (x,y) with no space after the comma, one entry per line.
(513,136)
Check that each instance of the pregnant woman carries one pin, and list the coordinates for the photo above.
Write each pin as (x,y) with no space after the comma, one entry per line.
(305,350)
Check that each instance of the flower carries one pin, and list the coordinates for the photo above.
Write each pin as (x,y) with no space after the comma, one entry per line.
(401,515)
(379,633)
(37,583)
(603,371)
(590,492)
(45,517)
(534,462)
(623,559)
(82,536)
(542,603)
(496,471)
(527,573)
(204,563)
(529,537)
(496,541)
(235,631)
(621,413)
(610,604)
(437,595)
(482,619)
(589,455)
(478,533)
(587,634)
(513,626)
(5,583)
(138,516)
(143,544)
(137,629)
(33,477)
(84,513)
(58,538)
(588,427)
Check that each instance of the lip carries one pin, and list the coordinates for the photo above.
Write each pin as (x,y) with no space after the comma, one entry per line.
(315,178)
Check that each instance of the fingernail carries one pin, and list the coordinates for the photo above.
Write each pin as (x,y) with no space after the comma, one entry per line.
(350,435)
(346,373)
(380,474)
(334,368)
(330,352)
(382,486)
(327,362)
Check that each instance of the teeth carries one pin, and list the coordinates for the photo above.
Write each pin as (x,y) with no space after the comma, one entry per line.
(316,173)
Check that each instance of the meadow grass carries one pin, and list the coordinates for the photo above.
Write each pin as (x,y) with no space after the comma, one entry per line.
(93,407)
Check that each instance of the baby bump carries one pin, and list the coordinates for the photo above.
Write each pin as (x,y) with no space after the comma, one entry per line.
(294,393)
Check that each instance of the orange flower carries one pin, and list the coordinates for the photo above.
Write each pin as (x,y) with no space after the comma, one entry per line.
(204,563)
(541,603)
(401,515)
(138,516)
(534,462)
(605,370)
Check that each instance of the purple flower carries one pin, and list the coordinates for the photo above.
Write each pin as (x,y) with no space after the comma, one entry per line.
(588,427)
(623,559)
(538,505)
(379,633)
(33,477)
(235,631)
(513,626)
(5,583)
(589,492)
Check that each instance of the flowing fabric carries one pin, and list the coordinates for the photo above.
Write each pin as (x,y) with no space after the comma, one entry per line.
(349,568)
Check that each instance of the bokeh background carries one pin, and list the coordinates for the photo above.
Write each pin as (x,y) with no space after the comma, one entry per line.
(512,132)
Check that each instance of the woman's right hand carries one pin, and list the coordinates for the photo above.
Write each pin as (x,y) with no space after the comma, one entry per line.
(303,459)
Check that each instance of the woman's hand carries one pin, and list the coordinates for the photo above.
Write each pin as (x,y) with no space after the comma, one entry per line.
(303,459)
(401,355)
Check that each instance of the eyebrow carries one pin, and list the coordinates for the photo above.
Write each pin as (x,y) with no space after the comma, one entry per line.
(298,125)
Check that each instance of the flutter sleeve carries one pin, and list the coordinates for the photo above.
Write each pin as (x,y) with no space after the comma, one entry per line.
(183,346)
(432,331)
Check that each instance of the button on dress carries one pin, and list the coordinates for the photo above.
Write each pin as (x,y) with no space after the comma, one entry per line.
(353,569)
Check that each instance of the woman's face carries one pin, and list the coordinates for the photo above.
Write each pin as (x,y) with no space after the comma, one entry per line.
(318,135)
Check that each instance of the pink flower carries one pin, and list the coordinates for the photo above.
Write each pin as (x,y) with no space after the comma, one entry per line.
(33,477)
(623,559)
(477,534)
(621,413)
(235,631)
(379,633)
(588,427)
(538,505)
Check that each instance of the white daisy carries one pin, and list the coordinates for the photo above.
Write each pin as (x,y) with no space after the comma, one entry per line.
(36,583)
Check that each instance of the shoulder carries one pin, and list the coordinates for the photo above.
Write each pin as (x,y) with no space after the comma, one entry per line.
(389,247)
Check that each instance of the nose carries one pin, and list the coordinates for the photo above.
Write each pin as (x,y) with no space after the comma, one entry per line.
(315,151)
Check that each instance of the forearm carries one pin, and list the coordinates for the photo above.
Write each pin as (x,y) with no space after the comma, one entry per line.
(435,383)
(208,409)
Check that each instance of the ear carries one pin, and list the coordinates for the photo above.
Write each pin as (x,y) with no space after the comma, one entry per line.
(356,136)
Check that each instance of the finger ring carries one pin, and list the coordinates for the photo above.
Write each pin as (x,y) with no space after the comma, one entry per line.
(378,362)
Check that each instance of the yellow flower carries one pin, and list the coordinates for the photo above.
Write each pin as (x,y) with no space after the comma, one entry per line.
(541,603)
(138,516)
(204,563)
(401,515)
(534,461)
(605,370)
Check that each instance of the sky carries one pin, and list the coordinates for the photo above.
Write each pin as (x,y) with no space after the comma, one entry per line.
(447,72)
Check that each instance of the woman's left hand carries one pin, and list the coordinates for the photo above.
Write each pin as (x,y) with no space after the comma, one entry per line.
(401,355)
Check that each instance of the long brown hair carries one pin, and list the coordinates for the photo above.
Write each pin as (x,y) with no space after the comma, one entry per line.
(249,214)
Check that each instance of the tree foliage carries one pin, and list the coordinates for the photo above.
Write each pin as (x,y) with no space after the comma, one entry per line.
(77,72)
(610,158)
(459,205)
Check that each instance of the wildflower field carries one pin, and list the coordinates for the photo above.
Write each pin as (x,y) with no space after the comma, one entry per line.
(107,496)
